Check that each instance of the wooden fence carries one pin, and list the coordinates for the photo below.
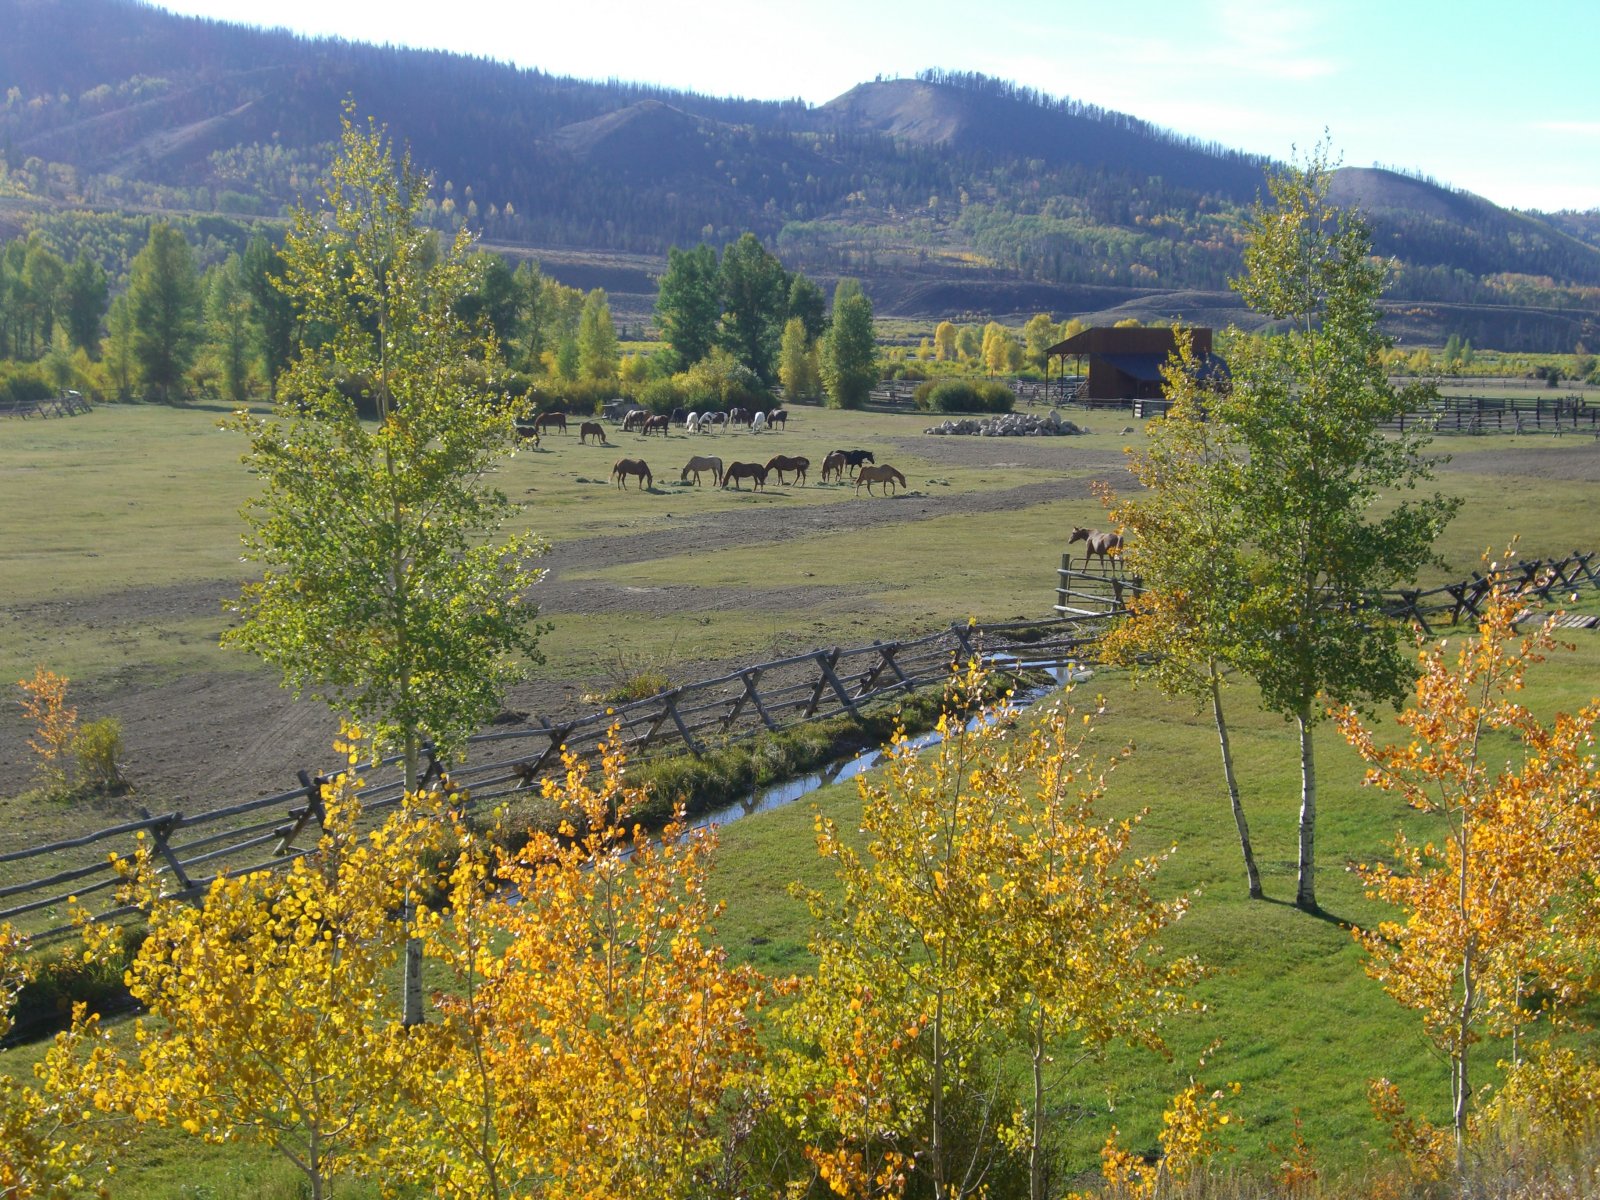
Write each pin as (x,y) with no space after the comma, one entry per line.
(1468,414)
(190,849)
(1106,591)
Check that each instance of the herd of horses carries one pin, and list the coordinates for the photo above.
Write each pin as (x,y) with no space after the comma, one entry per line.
(861,462)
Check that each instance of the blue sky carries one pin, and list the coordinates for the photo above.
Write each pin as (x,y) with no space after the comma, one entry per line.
(1500,99)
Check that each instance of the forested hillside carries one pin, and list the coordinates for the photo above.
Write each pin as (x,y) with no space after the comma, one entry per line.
(948,180)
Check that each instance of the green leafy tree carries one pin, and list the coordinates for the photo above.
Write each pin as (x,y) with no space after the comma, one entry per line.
(807,302)
(271,310)
(386,592)
(496,300)
(597,338)
(1307,411)
(969,343)
(43,274)
(86,295)
(755,293)
(689,303)
(122,368)
(850,349)
(1181,538)
(228,325)
(165,301)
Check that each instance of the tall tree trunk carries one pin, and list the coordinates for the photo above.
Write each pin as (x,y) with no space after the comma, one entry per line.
(1036,1179)
(411,980)
(1251,873)
(1306,889)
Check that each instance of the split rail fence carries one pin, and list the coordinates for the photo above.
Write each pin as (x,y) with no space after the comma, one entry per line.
(190,849)
(1105,592)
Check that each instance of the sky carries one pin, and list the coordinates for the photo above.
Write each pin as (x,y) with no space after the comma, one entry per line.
(1500,99)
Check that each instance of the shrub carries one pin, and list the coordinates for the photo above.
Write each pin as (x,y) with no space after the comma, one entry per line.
(96,747)
(22,382)
(965,396)
(661,396)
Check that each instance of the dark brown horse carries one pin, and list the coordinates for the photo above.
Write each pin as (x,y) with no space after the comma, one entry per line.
(885,475)
(550,420)
(634,420)
(1096,544)
(592,429)
(782,462)
(737,416)
(752,471)
(527,433)
(632,466)
(778,416)
(657,424)
(854,458)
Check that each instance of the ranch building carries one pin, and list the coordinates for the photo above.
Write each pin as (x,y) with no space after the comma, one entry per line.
(1123,365)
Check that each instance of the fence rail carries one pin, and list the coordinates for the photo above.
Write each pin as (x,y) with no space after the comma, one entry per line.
(190,849)
(1105,591)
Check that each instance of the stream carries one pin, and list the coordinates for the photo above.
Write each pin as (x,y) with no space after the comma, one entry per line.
(777,795)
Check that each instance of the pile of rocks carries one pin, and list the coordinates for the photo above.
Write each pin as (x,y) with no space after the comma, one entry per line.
(1012,425)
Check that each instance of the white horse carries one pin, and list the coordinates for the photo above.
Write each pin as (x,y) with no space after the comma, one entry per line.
(758,423)
(692,425)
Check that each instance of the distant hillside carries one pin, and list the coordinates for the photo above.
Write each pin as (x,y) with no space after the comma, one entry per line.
(946,186)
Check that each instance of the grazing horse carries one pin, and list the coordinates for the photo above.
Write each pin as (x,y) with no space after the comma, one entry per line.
(778,416)
(758,422)
(632,466)
(885,475)
(592,429)
(737,416)
(712,420)
(738,471)
(854,458)
(1103,545)
(527,433)
(680,416)
(691,423)
(657,424)
(833,465)
(783,462)
(550,420)
(634,420)
(703,463)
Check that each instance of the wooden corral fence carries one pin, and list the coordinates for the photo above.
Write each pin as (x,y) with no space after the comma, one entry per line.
(1104,591)
(1469,414)
(67,404)
(190,849)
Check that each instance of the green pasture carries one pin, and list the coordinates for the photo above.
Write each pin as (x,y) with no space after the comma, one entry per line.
(146,498)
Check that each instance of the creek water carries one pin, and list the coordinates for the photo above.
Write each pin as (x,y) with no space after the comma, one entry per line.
(787,792)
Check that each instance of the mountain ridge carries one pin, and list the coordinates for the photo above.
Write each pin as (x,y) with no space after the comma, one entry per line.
(116,104)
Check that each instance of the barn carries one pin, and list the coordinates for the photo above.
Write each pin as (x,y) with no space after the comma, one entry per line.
(1125,364)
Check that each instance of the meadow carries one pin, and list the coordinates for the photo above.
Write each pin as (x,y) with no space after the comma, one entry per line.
(118,539)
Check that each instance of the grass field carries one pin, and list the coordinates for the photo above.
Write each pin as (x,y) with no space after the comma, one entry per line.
(105,518)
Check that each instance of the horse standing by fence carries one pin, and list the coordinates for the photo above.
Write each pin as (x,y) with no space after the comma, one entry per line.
(1104,546)
(885,475)
(632,466)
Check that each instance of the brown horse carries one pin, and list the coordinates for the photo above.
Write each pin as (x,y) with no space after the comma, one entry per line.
(634,420)
(782,462)
(632,466)
(592,429)
(527,433)
(550,420)
(751,471)
(833,465)
(657,424)
(1096,544)
(701,463)
(885,475)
